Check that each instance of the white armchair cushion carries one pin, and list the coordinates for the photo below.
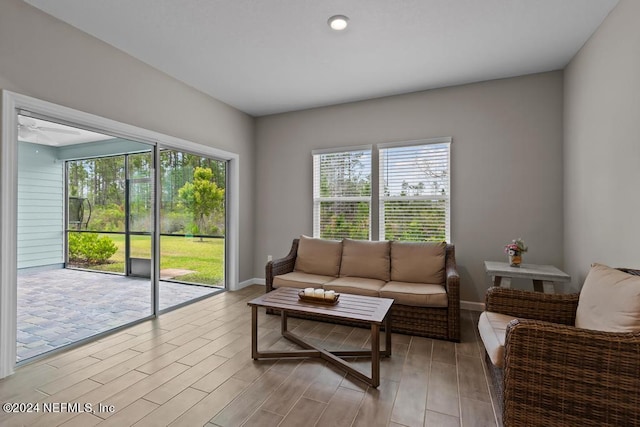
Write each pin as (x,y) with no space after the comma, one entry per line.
(493,332)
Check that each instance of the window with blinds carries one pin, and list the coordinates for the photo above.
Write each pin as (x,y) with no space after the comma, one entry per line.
(414,191)
(342,193)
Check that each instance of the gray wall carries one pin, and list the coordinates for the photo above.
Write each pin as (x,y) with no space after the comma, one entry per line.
(40,206)
(506,166)
(602,146)
(43,57)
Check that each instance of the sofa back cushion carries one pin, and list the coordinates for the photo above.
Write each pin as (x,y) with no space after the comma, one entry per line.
(417,262)
(609,301)
(318,256)
(364,258)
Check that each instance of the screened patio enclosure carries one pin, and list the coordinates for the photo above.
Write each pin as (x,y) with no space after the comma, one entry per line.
(110,231)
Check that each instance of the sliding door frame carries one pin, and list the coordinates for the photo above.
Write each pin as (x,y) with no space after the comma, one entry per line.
(12,103)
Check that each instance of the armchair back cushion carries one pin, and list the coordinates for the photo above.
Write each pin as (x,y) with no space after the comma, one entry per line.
(318,256)
(415,262)
(609,301)
(364,258)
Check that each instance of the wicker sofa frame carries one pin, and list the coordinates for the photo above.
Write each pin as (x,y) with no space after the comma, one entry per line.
(558,375)
(433,322)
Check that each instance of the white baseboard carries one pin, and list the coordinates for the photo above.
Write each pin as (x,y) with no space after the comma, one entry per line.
(465,305)
(473,306)
(254,281)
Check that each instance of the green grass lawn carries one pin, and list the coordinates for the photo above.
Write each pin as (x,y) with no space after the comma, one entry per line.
(205,257)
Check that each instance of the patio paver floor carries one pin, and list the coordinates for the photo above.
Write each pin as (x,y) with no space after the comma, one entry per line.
(61,306)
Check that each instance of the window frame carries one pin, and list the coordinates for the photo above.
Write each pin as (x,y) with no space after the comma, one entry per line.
(382,198)
(376,210)
(317,199)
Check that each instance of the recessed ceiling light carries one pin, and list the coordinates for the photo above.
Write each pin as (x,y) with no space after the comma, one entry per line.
(338,22)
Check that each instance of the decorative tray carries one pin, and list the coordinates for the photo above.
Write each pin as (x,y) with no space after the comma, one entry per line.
(316,300)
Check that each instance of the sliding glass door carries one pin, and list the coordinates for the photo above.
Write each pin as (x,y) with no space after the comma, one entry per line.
(192,226)
(139,213)
(85,206)
(88,229)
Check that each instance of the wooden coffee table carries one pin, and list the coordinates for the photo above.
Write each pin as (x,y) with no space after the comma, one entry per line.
(355,308)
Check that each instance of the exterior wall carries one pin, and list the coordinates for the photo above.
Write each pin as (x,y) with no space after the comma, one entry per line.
(506,159)
(41,196)
(40,206)
(602,151)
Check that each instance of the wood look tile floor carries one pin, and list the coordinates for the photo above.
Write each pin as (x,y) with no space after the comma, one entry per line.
(192,367)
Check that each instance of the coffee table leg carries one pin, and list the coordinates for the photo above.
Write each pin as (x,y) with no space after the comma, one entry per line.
(254,332)
(375,355)
(387,333)
(283,324)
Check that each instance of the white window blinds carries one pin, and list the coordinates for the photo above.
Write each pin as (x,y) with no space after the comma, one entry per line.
(414,192)
(342,194)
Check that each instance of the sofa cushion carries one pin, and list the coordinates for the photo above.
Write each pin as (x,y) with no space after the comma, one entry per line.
(493,331)
(355,285)
(417,262)
(364,258)
(318,256)
(297,279)
(416,294)
(609,301)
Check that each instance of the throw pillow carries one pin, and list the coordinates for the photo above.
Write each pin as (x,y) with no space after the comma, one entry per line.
(318,256)
(609,301)
(366,259)
(416,262)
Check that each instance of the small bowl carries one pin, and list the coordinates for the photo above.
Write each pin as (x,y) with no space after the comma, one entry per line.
(317,300)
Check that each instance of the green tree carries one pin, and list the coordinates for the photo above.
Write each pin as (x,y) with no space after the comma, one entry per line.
(177,167)
(344,175)
(202,197)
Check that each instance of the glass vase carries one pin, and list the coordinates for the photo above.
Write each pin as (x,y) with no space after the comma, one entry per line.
(516,259)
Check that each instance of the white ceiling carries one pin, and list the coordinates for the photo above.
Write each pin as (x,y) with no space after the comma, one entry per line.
(44,132)
(271,56)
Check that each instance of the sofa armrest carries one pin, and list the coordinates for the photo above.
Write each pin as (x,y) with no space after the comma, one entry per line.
(281,266)
(555,308)
(452,285)
(452,278)
(561,375)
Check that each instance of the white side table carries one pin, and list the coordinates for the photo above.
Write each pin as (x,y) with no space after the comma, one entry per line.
(544,276)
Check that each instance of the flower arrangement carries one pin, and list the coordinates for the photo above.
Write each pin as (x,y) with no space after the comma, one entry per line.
(516,246)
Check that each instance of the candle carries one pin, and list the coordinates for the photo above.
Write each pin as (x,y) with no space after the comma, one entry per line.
(319,293)
(308,292)
(330,295)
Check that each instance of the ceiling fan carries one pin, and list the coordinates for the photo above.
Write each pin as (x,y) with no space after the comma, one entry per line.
(32,129)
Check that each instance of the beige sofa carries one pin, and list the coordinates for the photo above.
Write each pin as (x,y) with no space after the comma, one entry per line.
(421,278)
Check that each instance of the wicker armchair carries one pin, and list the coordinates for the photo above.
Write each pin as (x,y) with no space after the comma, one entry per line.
(558,375)
(433,322)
